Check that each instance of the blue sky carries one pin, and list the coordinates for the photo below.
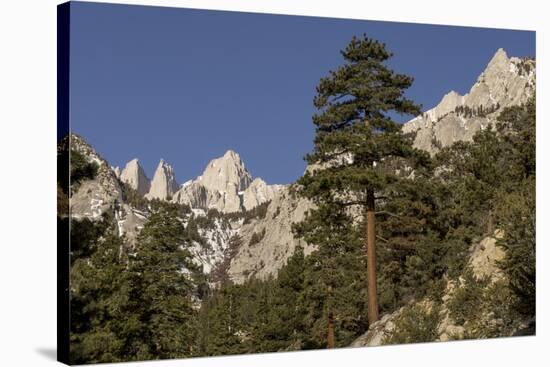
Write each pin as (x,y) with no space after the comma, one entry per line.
(187,85)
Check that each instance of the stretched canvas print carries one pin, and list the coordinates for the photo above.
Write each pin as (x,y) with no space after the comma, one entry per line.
(234,183)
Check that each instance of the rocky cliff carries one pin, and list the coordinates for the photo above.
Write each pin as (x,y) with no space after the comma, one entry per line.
(267,243)
(164,183)
(103,195)
(504,82)
(134,175)
(94,197)
(227,186)
(258,193)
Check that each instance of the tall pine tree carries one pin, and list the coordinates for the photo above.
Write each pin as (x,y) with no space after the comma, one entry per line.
(355,136)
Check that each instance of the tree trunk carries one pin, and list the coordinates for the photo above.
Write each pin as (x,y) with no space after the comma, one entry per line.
(330,331)
(490,224)
(330,337)
(371,260)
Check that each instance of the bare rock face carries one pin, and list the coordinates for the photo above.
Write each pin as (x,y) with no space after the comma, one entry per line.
(225,185)
(259,192)
(378,331)
(130,222)
(104,194)
(484,257)
(505,82)
(192,194)
(509,81)
(164,183)
(226,174)
(382,329)
(219,187)
(199,196)
(116,170)
(96,196)
(134,175)
(274,242)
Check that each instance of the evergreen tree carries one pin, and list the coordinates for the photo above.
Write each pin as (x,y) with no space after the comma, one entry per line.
(413,239)
(334,277)
(163,281)
(221,326)
(282,328)
(97,296)
(355,134)
(515,210)
(517,126)
(80,169)
(491,185)
(86,234)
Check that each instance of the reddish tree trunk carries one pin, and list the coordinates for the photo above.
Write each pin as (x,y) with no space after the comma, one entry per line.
(330,336)
(371,260)
(331,342)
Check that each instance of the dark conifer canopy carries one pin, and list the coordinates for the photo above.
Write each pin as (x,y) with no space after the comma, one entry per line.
(354,126)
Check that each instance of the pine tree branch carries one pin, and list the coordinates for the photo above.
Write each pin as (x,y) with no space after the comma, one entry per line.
(340,96)
(388,213)
(352,203)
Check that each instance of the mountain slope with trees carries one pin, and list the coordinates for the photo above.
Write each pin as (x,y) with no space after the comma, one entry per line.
(454,237)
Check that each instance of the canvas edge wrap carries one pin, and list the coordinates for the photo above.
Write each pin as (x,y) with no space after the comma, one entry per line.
(63,239)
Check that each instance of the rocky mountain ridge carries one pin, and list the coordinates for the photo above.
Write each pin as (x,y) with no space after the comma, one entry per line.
(226,187)
(504,82)
(106,194)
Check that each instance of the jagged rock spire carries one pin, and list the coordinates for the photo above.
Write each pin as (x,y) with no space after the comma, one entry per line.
(506,81)
(164,183)
(226,185)
(226,173)
(134,175)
